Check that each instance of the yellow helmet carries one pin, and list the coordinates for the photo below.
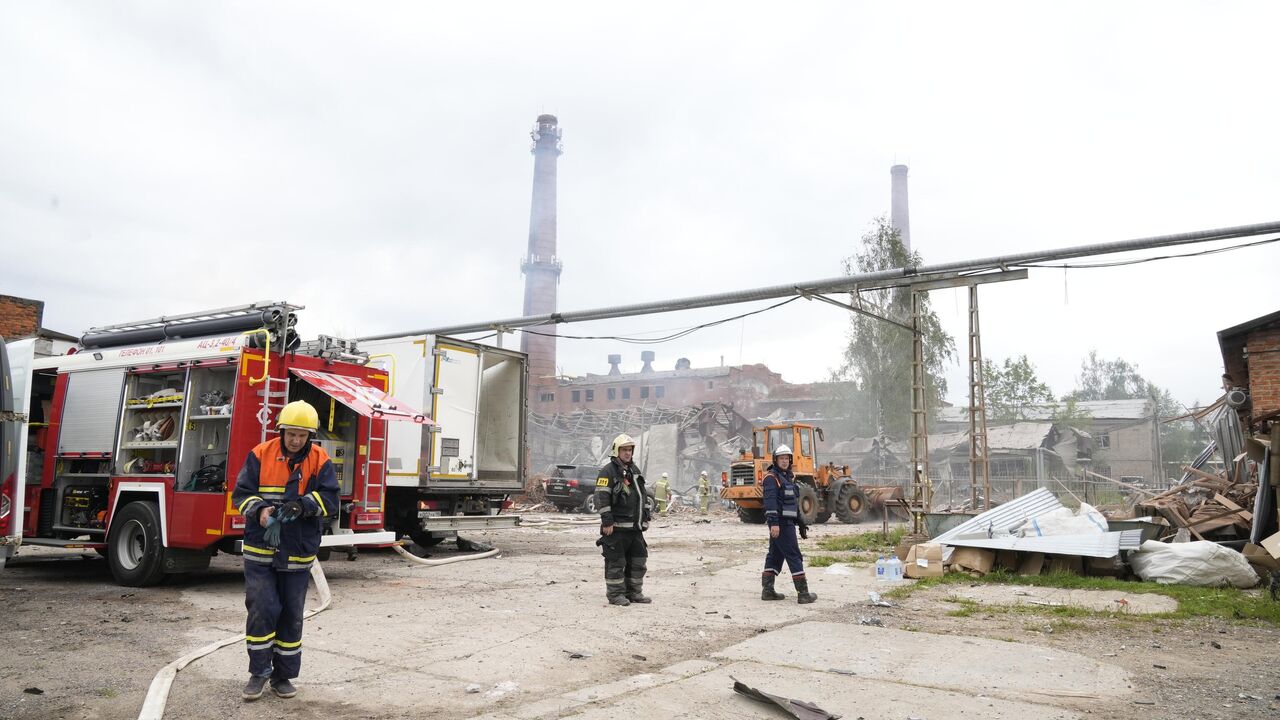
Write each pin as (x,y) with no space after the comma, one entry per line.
(299,415)
(620,442)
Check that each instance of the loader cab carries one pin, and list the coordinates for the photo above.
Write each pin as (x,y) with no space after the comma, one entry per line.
(798,437)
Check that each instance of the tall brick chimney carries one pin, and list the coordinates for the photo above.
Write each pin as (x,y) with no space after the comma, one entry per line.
(898,215)
(541,267)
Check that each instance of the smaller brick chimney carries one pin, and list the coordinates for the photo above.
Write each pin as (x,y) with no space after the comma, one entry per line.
(614,361)
(647,356)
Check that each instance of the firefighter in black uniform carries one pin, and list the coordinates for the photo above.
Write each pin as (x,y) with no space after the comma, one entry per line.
(285,490)
(782,512)
(625,510)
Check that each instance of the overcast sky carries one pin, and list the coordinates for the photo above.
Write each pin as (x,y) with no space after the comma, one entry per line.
(371,161)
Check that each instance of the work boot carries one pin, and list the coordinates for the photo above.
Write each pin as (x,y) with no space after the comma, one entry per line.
(619,600)
(768,593)
(639,597)
(254,688)
(803,596)
(283,688)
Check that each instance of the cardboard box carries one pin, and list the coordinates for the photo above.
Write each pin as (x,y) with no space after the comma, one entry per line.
(1260,558)
(923,560)
(1106,567)
(1032,564)
(1272,545)
(1073,564)
(974,559)
(902,551)
(1008,559)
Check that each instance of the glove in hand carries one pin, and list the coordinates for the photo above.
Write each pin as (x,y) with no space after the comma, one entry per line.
(804,532)
(272,534)
(290,511)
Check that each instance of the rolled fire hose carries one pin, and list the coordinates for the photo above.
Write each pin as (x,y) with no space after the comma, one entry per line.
(158,693)
(443,561)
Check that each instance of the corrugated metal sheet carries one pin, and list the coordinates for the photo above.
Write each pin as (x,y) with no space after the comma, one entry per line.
(1007,517)
(1100,545)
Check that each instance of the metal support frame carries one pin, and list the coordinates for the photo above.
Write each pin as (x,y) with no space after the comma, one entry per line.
(979,457)
(921,485)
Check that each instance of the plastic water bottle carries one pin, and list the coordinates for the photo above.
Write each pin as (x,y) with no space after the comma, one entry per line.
(882,570)
(895,569)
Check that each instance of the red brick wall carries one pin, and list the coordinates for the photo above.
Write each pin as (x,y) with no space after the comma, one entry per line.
(1264,371)
(19,317)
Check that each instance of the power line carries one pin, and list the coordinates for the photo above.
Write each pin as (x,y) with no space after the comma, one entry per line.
(1139,261)
(665,338)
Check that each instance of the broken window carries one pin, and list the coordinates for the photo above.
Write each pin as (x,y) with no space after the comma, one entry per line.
(660,391)
(577,396)
(626,393)
(591,395)
(613,393)
(644,392)
(1103,439)
(547,397)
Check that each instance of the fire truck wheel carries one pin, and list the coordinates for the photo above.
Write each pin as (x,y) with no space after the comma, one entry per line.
(133,546)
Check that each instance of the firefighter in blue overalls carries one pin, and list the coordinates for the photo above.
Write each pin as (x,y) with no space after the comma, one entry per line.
(285,491)
(782,512)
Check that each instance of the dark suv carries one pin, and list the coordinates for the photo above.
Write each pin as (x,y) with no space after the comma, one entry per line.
(573,487)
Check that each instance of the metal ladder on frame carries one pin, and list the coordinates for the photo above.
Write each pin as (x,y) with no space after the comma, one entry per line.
(921,487)
(979,458)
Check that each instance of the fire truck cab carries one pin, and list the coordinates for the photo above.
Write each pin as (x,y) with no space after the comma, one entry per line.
(131,445)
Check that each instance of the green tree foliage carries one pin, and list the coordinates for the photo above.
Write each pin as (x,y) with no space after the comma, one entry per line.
(878,355)
(1102,379)
(1013,388)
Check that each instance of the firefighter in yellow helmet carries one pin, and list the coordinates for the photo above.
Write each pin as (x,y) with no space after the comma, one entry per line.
(662,493)
(704,492)
(625,511)
(286,489)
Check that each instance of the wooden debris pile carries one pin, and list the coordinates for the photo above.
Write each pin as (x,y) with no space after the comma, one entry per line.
(1210,506)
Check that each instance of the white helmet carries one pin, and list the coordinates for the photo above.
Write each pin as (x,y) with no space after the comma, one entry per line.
(664,476)
(704,473)
(781,450)
(623,440)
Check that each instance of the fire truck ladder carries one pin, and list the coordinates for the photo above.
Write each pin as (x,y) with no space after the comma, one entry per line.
(376,455)
(979,459)
(274,396)
(372,501)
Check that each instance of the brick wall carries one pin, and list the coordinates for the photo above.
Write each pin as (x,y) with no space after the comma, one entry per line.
(1264,371)
(19,317)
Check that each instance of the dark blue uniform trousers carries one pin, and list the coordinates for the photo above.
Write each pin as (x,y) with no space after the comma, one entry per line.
(785,546)
(273,631)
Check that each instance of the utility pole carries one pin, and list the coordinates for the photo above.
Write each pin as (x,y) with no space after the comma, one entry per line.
(979,459)
(921,486)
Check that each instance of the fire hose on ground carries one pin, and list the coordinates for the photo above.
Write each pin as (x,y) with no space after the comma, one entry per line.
(158,694)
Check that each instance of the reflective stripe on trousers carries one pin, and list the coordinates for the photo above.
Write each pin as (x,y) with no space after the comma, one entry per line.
(273,628)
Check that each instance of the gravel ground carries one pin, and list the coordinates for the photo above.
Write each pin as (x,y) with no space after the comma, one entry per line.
(405,641)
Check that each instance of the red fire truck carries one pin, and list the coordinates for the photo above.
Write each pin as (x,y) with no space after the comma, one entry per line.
(133,441)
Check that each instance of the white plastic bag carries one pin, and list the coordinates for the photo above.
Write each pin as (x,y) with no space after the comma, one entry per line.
(1194,563)
(1087,520)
